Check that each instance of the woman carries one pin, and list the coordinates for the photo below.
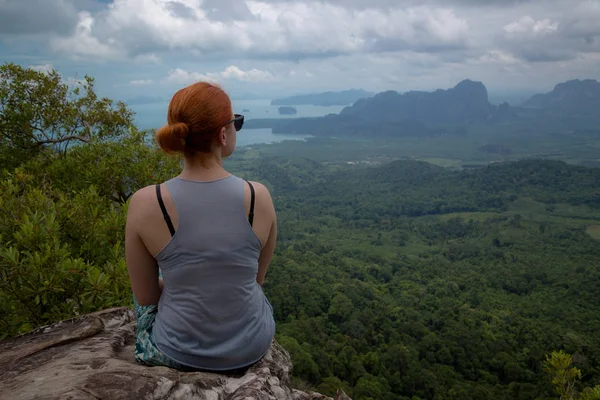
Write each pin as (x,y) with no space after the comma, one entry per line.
(212,235)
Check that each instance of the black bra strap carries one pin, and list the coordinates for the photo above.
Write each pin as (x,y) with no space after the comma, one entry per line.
(251,214)
(164,211)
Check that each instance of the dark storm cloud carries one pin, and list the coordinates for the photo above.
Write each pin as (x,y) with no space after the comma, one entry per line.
(273,30)
(362,4)
(181,10)
(543,54)
(434,42)
(227,10)
(36,16)
(557,38)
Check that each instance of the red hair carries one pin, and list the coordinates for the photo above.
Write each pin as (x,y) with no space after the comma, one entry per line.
(196,115)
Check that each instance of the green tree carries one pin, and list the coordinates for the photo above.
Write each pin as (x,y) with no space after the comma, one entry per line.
(60,254)
(39,109)
(370,387)
(71,162)
(566,378)
(304,366)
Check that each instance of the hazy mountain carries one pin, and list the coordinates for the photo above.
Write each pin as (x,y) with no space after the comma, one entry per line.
(574,96)
(414,113)
(464,103)
(342,98)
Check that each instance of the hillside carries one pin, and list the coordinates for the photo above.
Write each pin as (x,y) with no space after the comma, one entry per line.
(574,96)
(412,281)
(323,99)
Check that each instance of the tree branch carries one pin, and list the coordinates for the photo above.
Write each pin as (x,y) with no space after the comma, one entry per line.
(60,140)
(35,128)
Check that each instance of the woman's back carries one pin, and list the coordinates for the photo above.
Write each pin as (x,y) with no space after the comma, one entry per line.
(212,313)
(212,235)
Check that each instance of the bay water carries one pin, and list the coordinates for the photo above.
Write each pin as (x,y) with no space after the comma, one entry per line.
(154,115)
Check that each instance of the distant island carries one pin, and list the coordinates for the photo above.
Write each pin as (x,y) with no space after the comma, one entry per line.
(245,110)
(342,98)
(287,111)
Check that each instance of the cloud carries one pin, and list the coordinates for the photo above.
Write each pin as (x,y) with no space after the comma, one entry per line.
(83,43)
(36,17)
(182,76)
(528,25)
(581,23)
(141,82)
(69,80)
(532,40)
(386,4)
(45,68)
(138,47)
(570,34)
(129,28)
(232,72)
(498,57)
(253,75)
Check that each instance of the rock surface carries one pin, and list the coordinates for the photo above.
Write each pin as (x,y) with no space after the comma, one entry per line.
(91,357)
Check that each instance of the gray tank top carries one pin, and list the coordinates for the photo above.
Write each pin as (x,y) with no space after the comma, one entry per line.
(212,313)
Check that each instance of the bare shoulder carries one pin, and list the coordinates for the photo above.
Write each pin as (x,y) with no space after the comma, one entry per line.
(263,196)
(142,200)
(260,189)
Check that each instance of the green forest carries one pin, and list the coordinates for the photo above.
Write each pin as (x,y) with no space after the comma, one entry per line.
(399,280)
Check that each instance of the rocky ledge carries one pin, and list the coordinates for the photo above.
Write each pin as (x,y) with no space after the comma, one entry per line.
(91,357)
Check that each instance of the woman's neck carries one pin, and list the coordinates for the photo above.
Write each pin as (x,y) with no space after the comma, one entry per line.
(203,167)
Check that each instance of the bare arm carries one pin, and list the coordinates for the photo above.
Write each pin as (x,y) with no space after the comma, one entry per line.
(266,254)
(142,267)
(267,211)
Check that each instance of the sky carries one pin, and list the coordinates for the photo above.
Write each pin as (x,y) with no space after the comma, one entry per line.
(142,51)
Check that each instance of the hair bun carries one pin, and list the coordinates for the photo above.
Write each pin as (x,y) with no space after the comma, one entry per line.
(171,137)
(179,130)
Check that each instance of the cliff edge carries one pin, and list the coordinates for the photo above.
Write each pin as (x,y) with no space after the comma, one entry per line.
(91,357)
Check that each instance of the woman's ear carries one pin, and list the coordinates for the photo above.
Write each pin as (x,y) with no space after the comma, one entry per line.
(223,137)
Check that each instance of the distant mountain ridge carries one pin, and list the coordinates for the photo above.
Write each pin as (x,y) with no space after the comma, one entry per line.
(464,103)
(574,96)
(342,98)
(571,105)
(415,113)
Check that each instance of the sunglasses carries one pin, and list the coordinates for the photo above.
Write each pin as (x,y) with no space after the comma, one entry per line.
(238,121)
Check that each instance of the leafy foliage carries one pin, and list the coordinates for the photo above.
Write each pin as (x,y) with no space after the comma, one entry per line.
(60,256)
(565,377)
(40,109)
(445,284)
(62,229)
(63,214)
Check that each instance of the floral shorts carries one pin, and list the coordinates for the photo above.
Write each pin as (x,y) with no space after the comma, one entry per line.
(146,351)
